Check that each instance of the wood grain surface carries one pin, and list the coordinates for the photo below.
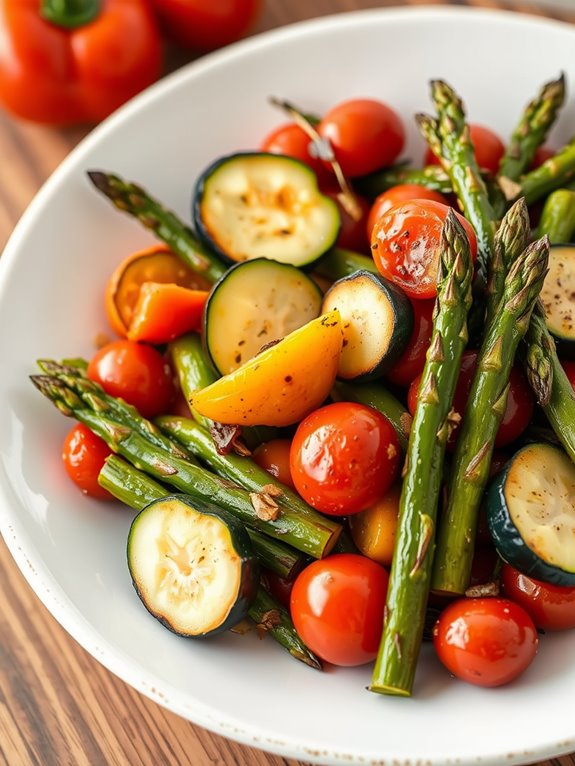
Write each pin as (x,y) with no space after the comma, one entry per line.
(58,706)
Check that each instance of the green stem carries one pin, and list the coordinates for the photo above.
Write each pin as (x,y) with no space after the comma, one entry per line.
(558,217)
(70,13)
(340,263)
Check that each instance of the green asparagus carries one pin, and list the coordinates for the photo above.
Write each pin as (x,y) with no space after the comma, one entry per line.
(554,173)
(558,217)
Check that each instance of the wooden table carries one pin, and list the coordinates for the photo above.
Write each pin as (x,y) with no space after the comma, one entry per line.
(58,706)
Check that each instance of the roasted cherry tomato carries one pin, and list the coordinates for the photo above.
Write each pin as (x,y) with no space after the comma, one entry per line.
(405,245)
(277,586)
(551,607)
(365,135)
(542,154)
(273,456)
(352,233)
(203,25)
(344,457)
(569,368)
(293,141)
(394,196)
(137,373)
(412,361)
(520,400)
(489,149)
(485,641)
(337,608)
(84,454)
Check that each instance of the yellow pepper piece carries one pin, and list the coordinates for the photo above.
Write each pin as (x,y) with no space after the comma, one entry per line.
(373,530)
(282,384)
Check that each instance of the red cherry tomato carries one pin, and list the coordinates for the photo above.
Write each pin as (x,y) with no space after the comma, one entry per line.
(291,140)
(520,401)
(203,25)
(485,641)
(489,149)
(84,454)
(344,457)
(569,368)
(542,154)
(337,608)
(273,457)
(405,245)
(365,135)
(551,607)
(352,233)
(394,196)
(412,361)
(277,586)
(137,373)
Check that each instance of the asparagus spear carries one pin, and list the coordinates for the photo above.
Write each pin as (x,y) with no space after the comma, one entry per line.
(311,534)
(555,173)
(484,410)
(432,177)
(532,129)
(558,216)
(340,263)
(135,489)
(165,224)
(411,567)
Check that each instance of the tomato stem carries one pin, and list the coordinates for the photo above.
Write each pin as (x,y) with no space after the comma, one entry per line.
(70,13)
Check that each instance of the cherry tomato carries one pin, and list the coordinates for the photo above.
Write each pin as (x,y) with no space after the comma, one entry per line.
(274,457)
(84,454)
(485,641)
(412,361)
(405,245)
(203,25)
(293,141)
(394,196)
(352,233)
(337,608)
(489,149)
(365,135)
(136,372)
(277,586)
(344,457)
(520,401)
(569,368)
(551,607)
(542,154)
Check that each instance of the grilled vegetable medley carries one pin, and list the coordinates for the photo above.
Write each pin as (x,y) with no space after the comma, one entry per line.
(341,399)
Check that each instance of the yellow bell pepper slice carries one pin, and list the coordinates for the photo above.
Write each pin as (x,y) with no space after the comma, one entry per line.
(283,383)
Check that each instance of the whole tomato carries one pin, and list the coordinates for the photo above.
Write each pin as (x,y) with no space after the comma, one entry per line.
(551,607)
(489,149)
(394,196)
(84,454)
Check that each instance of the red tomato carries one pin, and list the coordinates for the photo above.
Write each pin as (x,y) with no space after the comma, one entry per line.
(84,454)
(277,586)
(392,197)
(206,25)
(352,233)
(542,154)
(412,361)
(337,608)
(520,400)
(569,368)
(485,641)
(489,149)
(273,457)
(137,373)
(405,245)
(551,607)
(291,140)
(365,135)
(344,457)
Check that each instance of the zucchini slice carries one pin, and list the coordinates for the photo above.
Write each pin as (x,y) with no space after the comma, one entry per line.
(531,513)
(192,565)
(258,205)
(255,303)
(558,296)
(377,320)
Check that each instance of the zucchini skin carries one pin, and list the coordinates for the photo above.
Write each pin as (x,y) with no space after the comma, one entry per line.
(200,191)
(250,569)
(507,538)
(564,337)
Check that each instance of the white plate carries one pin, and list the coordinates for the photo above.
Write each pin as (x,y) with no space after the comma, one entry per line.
(52,276)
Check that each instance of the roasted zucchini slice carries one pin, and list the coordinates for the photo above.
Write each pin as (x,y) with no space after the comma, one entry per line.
(258,205)
(531,513)
(192,565)
(558,296)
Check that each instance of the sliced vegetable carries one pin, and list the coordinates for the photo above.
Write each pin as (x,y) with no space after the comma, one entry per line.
(282,384)
(558,297)
(374,530)
(192,565)
(340,263)
(256,303)
(531,513)
(164,312)
(257,205)
(377,321)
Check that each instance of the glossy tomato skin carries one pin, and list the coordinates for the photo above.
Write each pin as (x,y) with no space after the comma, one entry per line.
(337,607)
(204,26)
(412,361)
(274,457)
(485,641)
(277,586)
(489,149)
(344,457)
(137,373)
(551,607)
(405,245)
(84,454)
(352,234)
(394,196)
(292,141)
(365,135)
